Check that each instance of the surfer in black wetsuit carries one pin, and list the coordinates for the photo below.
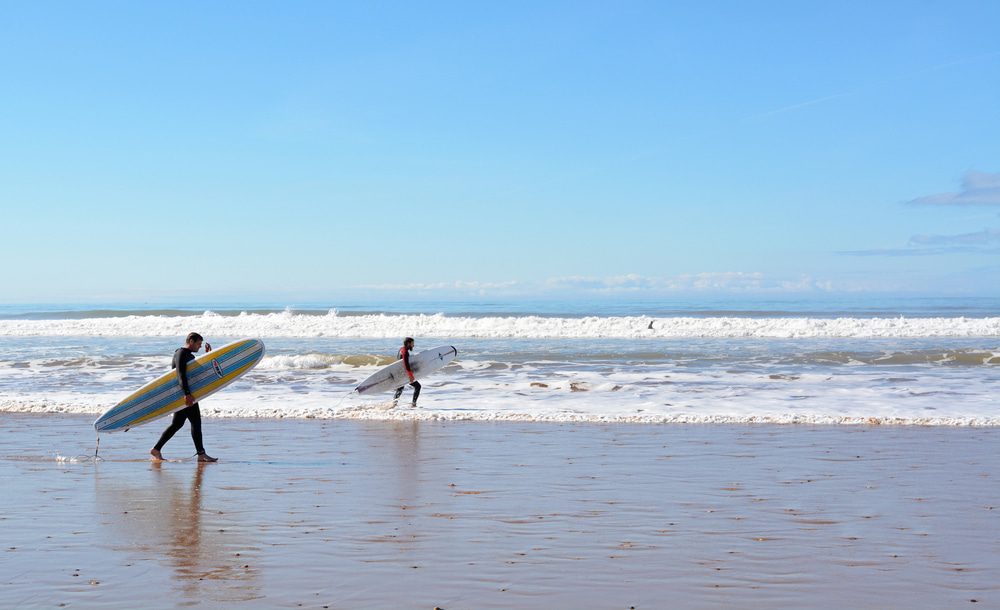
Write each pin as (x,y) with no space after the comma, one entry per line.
(404,355)
(182,356)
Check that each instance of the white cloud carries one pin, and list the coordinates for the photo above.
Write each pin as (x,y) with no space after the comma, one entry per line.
(978,188)
(731,281)
(980,242)
(628,284)
(456,286)
(621,283)
(984,237)
(921,251)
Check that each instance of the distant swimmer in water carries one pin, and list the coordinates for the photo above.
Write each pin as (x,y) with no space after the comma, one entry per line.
(404,355)
(182,356)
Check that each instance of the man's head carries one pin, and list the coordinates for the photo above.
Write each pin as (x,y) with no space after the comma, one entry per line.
(193,341)
(408,343)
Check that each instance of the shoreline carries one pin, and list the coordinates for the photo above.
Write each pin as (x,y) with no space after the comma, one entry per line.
(367,514)
(380,412)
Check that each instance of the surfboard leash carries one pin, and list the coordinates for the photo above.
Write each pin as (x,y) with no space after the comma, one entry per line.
(343,398)
(84,457)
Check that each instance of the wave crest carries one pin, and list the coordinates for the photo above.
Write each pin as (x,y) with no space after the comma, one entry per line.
(289,324)
(318,361)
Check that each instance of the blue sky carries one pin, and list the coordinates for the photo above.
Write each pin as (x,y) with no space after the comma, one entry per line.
(310,151)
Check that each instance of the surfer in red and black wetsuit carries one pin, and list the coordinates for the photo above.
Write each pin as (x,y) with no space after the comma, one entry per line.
(182,356)
(404,355)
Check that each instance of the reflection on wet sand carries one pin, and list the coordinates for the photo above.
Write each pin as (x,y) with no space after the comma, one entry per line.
(405,444)
(166,521)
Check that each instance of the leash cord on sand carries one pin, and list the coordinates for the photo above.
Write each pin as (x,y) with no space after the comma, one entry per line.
(83,457)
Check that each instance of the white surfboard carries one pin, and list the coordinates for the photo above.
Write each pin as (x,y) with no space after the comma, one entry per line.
(394,375)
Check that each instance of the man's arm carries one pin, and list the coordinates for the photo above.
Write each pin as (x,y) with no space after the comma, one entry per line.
(406,363)
(181,366)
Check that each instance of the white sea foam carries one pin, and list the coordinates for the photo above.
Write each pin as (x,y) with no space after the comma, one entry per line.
(952,396)
(332,325)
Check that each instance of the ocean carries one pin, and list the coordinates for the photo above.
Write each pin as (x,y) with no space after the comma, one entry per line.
(846,361)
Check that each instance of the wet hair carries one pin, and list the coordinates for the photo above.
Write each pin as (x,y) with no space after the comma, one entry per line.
(407,340)
(194,337)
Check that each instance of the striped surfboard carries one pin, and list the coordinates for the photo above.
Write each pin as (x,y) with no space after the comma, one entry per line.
(207,374)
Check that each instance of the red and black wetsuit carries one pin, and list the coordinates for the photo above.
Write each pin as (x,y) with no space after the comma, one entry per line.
(181,358)
(404,355)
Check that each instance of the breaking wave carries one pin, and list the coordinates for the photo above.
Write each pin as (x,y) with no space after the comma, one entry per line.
(332,325)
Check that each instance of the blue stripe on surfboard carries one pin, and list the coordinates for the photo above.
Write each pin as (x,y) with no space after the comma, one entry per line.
(196,383)
(194,373)
(202,376)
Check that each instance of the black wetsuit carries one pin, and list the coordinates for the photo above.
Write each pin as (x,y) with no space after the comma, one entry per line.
(181,358)
(404,355)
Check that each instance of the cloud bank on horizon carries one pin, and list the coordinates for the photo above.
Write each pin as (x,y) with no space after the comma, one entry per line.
(628,284)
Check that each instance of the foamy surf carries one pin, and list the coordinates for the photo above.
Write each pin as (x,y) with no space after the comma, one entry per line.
(334,325)
(779,401)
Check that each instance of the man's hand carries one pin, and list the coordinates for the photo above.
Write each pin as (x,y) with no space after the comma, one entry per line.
(208,347)
(411,376)
(188,400)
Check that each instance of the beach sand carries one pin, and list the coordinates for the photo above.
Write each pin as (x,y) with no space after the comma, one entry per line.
(362,514)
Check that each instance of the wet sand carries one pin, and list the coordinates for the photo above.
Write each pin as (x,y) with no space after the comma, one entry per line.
(356,514)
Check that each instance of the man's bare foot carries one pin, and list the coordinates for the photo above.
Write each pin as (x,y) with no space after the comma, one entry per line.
(204,457)
(157,456)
